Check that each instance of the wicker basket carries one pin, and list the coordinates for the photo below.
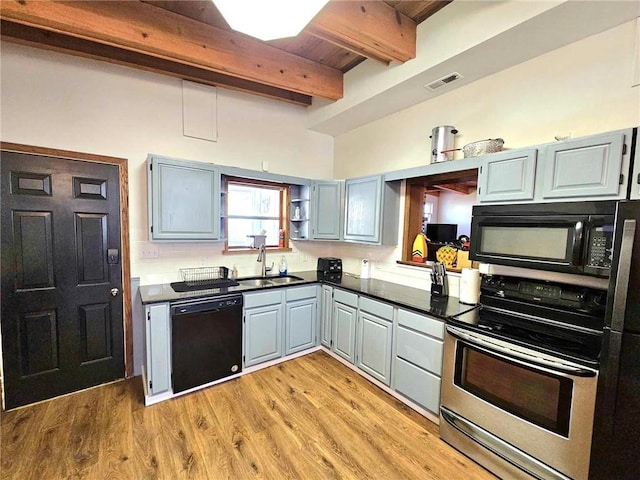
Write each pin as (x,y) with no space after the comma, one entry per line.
(203,275)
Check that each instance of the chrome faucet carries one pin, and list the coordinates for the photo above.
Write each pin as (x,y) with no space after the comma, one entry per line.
(262,257)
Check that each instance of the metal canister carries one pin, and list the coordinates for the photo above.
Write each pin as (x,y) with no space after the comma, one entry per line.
(442,140)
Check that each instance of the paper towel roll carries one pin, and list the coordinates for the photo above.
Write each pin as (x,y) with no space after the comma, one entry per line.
(365,268)
(470,286)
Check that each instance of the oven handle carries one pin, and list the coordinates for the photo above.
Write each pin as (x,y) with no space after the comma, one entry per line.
(522,357)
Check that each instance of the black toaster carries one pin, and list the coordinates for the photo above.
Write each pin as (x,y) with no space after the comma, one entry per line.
(329,265)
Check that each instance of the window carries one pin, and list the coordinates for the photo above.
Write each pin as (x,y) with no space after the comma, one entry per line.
(253,206)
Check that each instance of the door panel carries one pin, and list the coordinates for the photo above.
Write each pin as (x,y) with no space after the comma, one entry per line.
(62,330)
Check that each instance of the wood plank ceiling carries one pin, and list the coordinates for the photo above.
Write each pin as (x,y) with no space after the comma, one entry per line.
(189,39)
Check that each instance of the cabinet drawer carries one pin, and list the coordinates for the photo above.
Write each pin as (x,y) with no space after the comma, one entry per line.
(421,350)
(261,299)
(300,293)
(379,309)
(418,385)
(345,298)
(421,323)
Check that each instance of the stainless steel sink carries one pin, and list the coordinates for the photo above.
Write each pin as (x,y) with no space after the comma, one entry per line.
(269,281)
(255,282)
(285,280)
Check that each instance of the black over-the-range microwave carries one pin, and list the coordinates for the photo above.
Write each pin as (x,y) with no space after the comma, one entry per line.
(568,237)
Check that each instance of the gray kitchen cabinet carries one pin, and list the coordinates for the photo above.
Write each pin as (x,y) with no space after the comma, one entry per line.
(158,349)
(300,318)
(587,167)
(345,315)
(371,209)
(374,335)
(263,322)
(184,199)
(417,361)
(507,176)
(326,312)
(300,206)
(635,177)
(326,204)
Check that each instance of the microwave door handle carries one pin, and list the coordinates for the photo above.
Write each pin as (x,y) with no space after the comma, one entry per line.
(523,358)
(576,250)
(614,335)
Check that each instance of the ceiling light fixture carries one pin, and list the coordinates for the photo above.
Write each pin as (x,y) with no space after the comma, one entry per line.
(269,19)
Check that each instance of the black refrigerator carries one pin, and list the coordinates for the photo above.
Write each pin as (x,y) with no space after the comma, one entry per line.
(615,452)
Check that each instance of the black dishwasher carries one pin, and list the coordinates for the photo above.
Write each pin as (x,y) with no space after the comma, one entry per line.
(206,340)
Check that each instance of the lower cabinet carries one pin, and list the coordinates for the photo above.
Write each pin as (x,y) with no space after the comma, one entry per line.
(326,313)
(417,363)
(158,348)
(300,318)
(263,320)
(374,334)
(279,322)
(345,315)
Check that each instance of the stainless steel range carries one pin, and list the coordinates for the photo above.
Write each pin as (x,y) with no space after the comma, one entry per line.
(542,380)
(520,378)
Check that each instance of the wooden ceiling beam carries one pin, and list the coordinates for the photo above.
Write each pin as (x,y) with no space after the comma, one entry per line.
(369,28)
(35,37)
(145,29)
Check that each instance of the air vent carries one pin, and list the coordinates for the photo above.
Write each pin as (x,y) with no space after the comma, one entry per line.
(441,82)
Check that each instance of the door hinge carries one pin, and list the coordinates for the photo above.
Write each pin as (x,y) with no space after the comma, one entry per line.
(151,385)
(151,167)
(151,228)
(148,315)
(479,188)
(243,358)
(638,179)
(480,169)
(621,178)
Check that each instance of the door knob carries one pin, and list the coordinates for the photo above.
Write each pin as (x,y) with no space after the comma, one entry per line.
(114,292)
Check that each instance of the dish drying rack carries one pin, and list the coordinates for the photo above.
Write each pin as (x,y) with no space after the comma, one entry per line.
(204,276)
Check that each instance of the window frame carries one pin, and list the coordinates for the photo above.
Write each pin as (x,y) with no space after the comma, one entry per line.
(285,194)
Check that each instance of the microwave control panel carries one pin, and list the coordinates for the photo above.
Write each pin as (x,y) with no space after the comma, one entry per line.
(600,247)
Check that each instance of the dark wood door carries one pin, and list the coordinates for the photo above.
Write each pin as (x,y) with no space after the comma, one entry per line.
(62,327)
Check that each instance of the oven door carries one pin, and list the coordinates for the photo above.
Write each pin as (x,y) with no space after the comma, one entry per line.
(517,406)
(543,242)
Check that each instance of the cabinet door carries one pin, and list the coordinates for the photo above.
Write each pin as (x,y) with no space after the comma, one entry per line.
(374,346)
(300,326)
(363,203)
(507,176)
(344,331)
(326,304)
(584,167)
(635,177)
(263,334)
(175,186)
(327,208)
(158,348)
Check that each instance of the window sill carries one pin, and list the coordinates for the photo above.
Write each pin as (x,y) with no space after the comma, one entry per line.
(244,251)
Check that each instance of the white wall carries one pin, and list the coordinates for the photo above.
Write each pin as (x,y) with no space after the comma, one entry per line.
(583,88)
(59,101)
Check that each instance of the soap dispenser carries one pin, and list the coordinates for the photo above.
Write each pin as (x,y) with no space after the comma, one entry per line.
(283,267)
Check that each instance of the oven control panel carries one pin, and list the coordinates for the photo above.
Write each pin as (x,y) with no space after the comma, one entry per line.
(543,293)
(600,249)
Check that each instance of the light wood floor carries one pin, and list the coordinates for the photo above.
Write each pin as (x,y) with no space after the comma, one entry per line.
(308,418)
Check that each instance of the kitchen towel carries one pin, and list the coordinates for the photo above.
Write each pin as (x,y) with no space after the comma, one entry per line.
(470,286)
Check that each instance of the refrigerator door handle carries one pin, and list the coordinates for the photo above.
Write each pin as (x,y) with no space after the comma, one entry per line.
(614,335)
(622,278)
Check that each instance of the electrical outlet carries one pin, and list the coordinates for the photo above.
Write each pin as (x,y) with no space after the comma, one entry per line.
(149,250)
(304,257)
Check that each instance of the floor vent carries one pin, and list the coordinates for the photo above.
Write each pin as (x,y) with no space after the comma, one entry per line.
(441,82)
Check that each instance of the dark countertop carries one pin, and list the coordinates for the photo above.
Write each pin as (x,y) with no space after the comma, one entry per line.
(400,295)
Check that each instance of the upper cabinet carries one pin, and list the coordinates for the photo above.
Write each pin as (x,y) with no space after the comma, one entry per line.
(371,210)
(585,167)
(184,199)
(300,209)
(507,176)
(595,167)
(326,205)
